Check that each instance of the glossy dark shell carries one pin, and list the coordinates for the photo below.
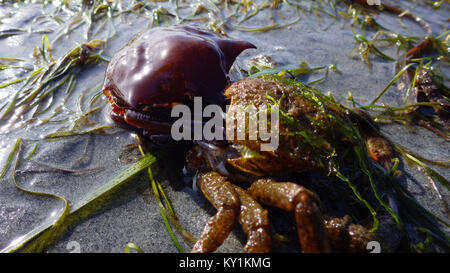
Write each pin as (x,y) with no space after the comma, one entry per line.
(171,65)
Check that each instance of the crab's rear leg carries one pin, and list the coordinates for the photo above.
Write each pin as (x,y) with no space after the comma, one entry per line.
(295,198)
(224,198)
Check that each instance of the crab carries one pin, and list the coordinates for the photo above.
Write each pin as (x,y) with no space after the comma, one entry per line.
(315,142)
(167,66)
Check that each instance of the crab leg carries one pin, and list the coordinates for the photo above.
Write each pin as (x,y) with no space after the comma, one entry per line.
(145,121)
(345,236)
(295,198)
(224,198)
(255,223)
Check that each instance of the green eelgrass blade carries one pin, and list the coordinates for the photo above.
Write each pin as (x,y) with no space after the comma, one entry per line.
(120,179)
(444,182)
(133,246)
(56,227)
(391,82)
(361,38)
(39,236)
(31,153)
(173,219)
(360,198)
(424,217)
(166,200)
(163,211)
(16,95)
(13,82)
(48,236)
(75,132)
(10,157)
(363,164)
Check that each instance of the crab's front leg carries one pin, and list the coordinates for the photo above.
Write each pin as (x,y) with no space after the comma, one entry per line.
(255,223)
(223,197)
(305,204)
(228,198)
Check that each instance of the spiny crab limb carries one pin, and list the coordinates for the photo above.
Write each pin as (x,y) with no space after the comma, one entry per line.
(223,197)
(255,223)
(231,201)
(316,234)
(295,198)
